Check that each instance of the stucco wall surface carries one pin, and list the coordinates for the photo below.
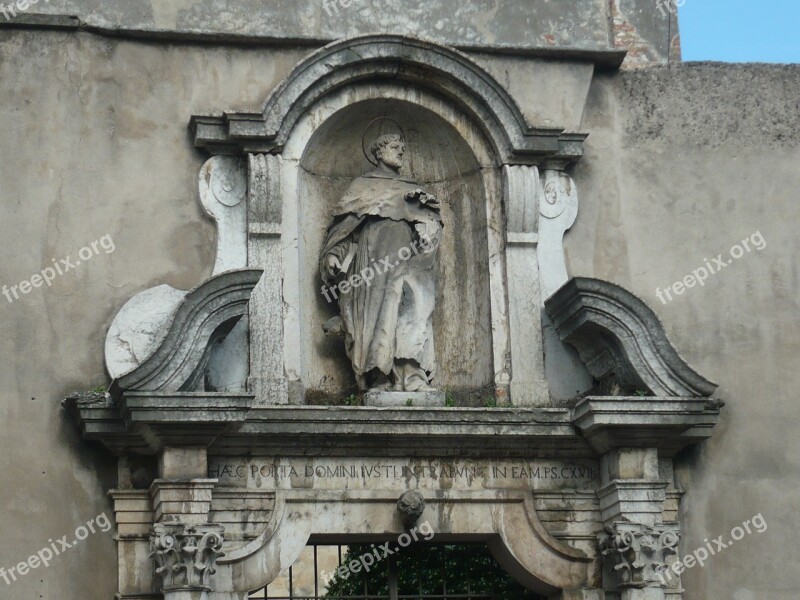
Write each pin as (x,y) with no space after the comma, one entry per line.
(93,142)
(529,24)
(682,164)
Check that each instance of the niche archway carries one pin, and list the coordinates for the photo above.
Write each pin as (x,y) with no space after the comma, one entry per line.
(439,158)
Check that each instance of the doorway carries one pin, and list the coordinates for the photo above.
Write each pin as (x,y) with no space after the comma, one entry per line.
(422,571)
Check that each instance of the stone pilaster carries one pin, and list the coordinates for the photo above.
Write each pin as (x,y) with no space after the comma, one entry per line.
(267,369)
(522,191)
(185,557)
(634,500)
(186,502)
(635,543)
(631,487)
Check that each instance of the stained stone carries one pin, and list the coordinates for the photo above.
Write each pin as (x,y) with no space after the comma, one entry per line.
(379,398)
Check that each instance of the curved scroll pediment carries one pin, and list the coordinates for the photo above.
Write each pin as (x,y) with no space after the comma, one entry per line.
(616,332)
(397,58)
(206,313)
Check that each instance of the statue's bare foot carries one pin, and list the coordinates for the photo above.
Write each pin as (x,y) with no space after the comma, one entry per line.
(416,383)
(379,381)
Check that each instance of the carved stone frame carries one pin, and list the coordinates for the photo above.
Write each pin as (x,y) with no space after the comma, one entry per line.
(517,162)
(530,202)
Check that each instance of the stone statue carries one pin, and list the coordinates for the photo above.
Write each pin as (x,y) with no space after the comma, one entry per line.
(379,263)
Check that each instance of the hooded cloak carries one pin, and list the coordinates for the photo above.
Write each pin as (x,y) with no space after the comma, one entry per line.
(391,243)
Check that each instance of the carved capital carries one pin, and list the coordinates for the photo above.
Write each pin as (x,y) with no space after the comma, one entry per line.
(185,555)
(638,553)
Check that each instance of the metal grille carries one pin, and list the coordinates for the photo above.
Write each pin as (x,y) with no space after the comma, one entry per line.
(423,571)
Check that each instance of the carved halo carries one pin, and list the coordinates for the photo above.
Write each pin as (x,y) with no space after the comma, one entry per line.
(379,133)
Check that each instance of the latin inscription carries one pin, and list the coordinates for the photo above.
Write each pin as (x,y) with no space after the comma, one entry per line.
(330,473)
(222,470)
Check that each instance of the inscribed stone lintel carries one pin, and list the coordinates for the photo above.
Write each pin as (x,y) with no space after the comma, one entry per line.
(332,474)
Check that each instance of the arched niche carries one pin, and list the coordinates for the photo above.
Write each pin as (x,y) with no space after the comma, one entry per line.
(447,153)
(360,76)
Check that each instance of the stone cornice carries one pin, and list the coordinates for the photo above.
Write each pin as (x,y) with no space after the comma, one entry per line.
(273,31)
(144,422)
(669,424)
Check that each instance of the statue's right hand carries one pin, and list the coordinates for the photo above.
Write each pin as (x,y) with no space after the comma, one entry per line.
(414,195)
(332,266)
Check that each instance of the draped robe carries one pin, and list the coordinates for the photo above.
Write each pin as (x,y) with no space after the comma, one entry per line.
(391,317)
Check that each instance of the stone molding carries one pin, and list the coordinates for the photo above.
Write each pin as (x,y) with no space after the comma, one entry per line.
(185,555)
(507,519)
(637,553)
(668,424)
(223,188)
(133,514)
(207,312)
(144,422)
(641,501)
(404,58)
(244,512)
(616,332)
(187,502)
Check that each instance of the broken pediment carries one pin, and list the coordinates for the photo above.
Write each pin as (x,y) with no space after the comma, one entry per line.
(178,358)
(616,332)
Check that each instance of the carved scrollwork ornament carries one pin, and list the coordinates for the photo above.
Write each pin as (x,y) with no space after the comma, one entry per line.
(185,556)
(559,193)
(637,553)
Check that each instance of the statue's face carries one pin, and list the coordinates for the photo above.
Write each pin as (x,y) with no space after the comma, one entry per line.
(392,154)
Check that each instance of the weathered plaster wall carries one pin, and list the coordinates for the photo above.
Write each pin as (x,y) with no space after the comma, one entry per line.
(93,141)
(529,24)
(682,163)
(598,30)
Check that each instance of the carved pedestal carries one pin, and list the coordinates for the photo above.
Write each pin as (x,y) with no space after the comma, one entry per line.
(380,398)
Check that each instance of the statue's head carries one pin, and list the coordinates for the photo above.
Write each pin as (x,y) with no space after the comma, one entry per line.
(389,149)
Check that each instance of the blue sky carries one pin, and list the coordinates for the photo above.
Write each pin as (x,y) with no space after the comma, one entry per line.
(740,30)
